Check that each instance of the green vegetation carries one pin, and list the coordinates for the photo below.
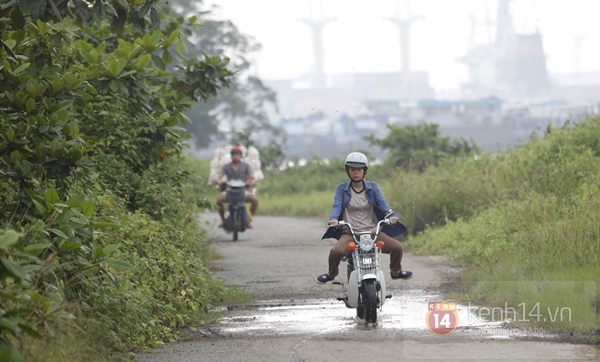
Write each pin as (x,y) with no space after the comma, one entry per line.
(100,249)
(525,221)
(417,147)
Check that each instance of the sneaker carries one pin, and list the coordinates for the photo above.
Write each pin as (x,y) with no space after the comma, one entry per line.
(249,225)
(404,274)
(324,278)
(222,224)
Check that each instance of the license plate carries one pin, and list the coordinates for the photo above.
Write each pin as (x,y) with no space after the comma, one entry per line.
(367,261)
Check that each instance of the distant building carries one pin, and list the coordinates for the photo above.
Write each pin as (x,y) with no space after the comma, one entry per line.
(512,67)
(348,91)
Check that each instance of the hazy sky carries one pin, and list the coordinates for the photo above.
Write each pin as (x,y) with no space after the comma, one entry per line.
(361,40)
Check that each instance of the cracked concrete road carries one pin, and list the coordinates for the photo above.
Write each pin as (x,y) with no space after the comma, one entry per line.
(295,319)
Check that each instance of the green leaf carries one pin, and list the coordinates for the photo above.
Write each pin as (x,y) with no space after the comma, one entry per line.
(56,11)
(123,4)
(143,61)
(52,197)
(15,155)
(88,209)
(21,68)
(58,233)
(111,9)
(98,11)
(118,22)
(10,135)
(26,5)
(138,22)
(8,49)
(83,11)
(120,264)
(8,238)
(170,122)
(167,58)
(110,248)
(112,279)
(173,36)
(35,249)
(41,208)
(144,9)
(13,268)
(9,324)
(30,105)
(158,61)
(27,329)
(18,20)
(9,354)
(39,7)
(154,17)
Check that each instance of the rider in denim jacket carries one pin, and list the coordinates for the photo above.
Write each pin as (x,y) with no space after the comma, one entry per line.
(362,204)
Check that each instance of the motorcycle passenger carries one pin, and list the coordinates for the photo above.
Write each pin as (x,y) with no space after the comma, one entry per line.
(361,203)
(237,169)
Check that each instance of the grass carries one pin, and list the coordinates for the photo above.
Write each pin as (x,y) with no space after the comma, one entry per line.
(313,204)
(76,345)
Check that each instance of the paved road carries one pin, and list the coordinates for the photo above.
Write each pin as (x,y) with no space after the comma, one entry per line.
(295,319)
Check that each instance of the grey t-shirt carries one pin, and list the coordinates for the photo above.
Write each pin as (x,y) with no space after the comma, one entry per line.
(360,213)
(243,170)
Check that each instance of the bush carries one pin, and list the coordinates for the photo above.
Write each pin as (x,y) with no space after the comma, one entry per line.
(539,225)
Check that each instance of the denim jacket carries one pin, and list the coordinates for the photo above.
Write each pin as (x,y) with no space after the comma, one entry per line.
(375,196)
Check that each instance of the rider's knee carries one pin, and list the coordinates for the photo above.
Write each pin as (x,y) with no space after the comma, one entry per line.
(335,253)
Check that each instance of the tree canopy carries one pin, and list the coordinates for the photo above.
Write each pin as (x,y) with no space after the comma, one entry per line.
(416,147)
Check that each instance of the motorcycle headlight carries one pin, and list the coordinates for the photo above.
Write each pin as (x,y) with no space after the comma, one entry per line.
(366,244)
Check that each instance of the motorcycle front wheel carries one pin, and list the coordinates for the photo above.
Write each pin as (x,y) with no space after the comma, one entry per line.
(235,223)
(370,301)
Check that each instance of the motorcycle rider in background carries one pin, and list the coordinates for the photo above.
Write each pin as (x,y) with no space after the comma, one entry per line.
(237,169)
(361,203)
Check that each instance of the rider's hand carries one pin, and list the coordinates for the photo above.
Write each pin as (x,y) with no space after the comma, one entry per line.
(393,220)
(333,222)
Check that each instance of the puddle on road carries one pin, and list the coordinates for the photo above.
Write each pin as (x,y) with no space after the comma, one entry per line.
(402,315)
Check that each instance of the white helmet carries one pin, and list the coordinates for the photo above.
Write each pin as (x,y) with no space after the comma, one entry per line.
(357,160)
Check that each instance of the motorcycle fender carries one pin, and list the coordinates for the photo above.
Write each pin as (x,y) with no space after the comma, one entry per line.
(353,290)
(369,276)
(382,291)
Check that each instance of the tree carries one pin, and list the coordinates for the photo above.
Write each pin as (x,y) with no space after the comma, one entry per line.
(244,105)
(416,147)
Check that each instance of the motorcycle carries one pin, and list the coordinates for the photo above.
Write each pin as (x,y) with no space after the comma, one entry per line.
(235,217)
(366,283)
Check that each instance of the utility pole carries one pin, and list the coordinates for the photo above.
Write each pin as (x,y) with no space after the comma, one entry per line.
(578,40)
(404,28)
(316,25)
(488,25)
